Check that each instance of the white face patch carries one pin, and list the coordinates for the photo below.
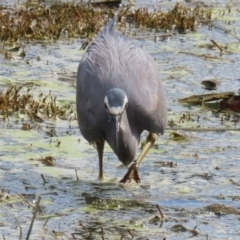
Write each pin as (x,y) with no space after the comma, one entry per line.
(115,110)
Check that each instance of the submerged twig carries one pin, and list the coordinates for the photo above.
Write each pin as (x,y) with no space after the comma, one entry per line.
(124,235)
(28,203)
(194,231)
(43,178)
(46,222)
(33,217)
(76,174)
(235,183)
(160,212)
(55,233)
(73,235)
(216,45)
(20,236)
(130,233)
(235,35)
(84,228)
(102,232)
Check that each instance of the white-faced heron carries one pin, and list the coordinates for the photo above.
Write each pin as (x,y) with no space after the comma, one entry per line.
(119,95)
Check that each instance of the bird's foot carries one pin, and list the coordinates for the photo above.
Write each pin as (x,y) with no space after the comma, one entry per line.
(132,173)
(101,178)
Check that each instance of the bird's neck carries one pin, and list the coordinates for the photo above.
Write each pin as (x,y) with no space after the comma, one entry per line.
(128,140)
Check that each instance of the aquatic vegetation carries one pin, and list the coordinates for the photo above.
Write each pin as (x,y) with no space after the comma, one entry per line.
(82,20)
(21,101)
(47,156)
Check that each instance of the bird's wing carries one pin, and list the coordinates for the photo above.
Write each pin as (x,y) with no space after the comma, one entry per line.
(111,61)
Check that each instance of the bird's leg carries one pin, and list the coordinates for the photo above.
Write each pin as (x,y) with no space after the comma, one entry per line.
(100,147)
(133,169)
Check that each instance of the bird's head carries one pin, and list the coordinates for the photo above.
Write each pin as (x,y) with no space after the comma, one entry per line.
(116,102)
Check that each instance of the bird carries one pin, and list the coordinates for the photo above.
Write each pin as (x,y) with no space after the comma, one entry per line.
(119,94)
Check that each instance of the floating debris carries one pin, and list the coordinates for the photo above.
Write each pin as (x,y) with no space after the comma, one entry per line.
(179,228)
(48,160)
(209,84)
(222,209)
(26,127)
(219,26)
(178,137)
(199,99)
(226,101)
(155,220)
(4,195)
(233,104)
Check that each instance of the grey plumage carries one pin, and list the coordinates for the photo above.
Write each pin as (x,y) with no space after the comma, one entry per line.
(113,61)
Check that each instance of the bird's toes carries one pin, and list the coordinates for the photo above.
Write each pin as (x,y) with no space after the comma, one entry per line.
(132,173)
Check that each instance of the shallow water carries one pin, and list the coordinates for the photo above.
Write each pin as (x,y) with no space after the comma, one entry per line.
(205,166)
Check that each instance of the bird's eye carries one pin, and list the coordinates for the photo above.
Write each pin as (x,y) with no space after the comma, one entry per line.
(105,105)
(126,105)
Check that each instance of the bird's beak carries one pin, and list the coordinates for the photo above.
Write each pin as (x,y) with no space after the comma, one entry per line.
(116,122)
